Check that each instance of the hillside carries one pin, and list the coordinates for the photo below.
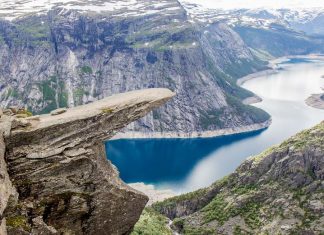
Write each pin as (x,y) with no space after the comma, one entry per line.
(277,191)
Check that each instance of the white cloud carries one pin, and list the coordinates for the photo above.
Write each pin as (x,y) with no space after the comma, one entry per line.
(251,4)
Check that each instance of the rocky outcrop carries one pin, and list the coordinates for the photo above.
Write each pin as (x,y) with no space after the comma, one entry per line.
(316,101)
(57,164)
(279,191)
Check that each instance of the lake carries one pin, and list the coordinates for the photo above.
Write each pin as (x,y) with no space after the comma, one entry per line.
(183,165)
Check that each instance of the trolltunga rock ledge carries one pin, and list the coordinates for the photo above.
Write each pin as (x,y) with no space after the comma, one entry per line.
(57,165)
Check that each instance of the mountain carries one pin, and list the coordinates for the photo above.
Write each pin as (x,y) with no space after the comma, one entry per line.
(66,56)
(307,20)
(69,53)
(279,191)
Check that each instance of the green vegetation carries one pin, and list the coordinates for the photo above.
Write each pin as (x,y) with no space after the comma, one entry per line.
(265,153)
(107,110)
(215,210)
(245,189)
(11,92)
(48,88)
(255,203)
(37,32)
(2,41)
(211,118)
(239,231)
(18,221)
(78,95)
(54,94)
(62,95)
(175,35)
(244,67)
(257,115)
(225,81)
(221,210)
(156,114)
(86,70)
(151,223)
(25,111)
(311,137)
(171,202)
(198,231)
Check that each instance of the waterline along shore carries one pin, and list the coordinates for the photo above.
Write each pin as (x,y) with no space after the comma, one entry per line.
(272,68)
(203,134)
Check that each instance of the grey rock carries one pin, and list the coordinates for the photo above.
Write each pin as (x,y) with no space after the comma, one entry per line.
(41,228)
(58,166)
(8,112)
(19,123)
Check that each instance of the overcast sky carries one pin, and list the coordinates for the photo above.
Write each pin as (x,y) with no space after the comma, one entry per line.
(230,4)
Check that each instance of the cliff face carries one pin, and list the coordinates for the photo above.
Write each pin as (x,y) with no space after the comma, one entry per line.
(68,57)
(279,191)
(57,165)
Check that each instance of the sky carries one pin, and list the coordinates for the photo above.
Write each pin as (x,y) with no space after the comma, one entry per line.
(232,4)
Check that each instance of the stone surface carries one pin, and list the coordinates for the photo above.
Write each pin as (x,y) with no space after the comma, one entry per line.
(6,188)
(316,101)
(58,166)
(41,228)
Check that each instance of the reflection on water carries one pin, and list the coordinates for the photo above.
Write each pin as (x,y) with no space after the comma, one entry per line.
(187,164)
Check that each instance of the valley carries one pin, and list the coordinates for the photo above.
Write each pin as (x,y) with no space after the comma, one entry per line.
(184,165)
(132,117)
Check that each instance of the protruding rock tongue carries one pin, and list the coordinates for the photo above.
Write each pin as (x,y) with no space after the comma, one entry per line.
(58,165)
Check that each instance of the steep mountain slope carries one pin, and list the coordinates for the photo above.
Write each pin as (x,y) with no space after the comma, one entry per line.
(66,57)
(279,191)
(270,32)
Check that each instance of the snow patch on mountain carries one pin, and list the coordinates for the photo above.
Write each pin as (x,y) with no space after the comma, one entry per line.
(13,9)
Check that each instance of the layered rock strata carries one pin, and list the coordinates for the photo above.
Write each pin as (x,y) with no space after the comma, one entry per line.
(57,164)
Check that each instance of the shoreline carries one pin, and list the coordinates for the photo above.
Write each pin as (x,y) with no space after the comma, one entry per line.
(156,195)
(203,134)
(272,68)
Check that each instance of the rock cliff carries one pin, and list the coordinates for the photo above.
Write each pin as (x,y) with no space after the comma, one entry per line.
(67,57)
(279,191)
(62,182)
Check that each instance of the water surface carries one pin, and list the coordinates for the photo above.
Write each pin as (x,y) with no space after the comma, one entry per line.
(187,164)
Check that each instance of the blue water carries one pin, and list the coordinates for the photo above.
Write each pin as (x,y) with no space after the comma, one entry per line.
(187,164)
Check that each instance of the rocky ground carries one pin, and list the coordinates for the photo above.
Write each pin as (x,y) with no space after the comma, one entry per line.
(316,101)
(54,173)
(279,191)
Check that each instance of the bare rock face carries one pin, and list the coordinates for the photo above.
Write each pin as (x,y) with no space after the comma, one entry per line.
(58,166)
